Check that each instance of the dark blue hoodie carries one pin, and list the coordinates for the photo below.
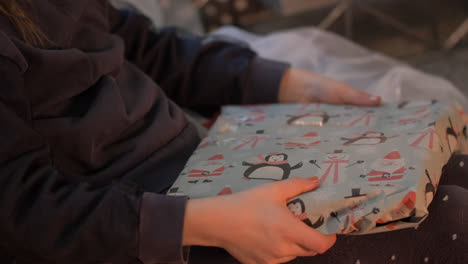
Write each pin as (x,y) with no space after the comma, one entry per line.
(92,131)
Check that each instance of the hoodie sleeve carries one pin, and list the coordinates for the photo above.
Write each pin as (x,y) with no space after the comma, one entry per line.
(196,73)
(46,218)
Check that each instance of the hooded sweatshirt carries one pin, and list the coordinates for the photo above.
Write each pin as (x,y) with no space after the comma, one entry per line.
(92,132)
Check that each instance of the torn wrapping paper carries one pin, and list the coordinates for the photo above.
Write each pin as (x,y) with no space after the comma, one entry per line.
(378,168)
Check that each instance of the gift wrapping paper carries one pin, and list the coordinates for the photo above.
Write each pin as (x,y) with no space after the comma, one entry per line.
(378,167)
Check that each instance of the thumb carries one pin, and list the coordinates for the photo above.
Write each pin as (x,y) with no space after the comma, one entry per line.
(295,186)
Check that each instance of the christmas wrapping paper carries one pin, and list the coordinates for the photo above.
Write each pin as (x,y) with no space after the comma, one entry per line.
(378,168)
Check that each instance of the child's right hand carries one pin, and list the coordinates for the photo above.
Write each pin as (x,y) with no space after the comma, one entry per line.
(255,226)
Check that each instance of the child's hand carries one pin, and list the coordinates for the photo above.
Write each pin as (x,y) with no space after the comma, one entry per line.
(302,86)
(255,226)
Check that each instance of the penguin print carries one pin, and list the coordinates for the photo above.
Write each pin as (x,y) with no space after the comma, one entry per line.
(451,137)
(415,103)
(367,138)
(275,166)
(297,207)
(310,119)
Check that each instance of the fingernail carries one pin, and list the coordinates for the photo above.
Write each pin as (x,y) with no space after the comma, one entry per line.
(374,98)
(314,179)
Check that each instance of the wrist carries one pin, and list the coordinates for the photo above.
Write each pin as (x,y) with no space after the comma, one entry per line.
(202,222)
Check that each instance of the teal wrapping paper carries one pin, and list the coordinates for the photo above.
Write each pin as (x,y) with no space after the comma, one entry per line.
(378,168)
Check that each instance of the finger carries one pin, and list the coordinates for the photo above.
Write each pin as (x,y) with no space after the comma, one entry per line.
(286,259)
(349,95)
(298,250)
(293,187)
(308,254)
(313,240)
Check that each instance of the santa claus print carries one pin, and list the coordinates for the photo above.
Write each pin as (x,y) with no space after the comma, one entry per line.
(310,139)
(427,138)
(275,166)
(214,166)
(367,138)
(297,207)
(389,168)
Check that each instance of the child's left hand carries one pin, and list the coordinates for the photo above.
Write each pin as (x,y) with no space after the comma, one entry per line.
(302,86)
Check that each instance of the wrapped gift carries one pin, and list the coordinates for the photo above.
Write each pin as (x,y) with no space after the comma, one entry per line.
(378,168)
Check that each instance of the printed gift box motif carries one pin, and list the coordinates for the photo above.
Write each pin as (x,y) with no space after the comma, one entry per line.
(378,167)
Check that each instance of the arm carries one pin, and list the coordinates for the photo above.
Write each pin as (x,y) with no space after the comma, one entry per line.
(203,76)
(196,74)
(47,218)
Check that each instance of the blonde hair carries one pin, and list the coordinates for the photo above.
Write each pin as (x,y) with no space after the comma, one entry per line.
(28,30)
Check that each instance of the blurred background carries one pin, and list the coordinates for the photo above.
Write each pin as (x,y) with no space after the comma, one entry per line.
(430,35)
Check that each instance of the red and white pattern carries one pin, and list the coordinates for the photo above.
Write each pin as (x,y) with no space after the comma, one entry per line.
(256,116)
(264,161)
(427,138)
(403,210)
(351,219)
(301,217)
(363,119)
(336,163)
(390,168)
(308,140)
(415,116)
(214,166)
(249,142)
(225,191)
